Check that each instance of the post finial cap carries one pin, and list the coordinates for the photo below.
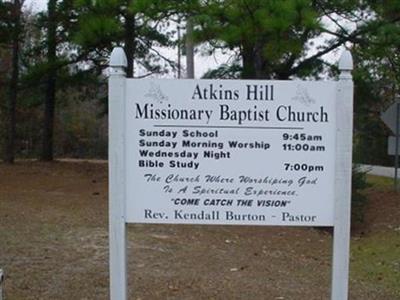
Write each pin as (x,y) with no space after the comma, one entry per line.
(346,61)
(118,58)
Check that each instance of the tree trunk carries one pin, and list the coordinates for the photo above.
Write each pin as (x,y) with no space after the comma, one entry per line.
(189,49)
(130,42)
(9,154)
(179,50)
(48,125)
(259,62)
(248,62)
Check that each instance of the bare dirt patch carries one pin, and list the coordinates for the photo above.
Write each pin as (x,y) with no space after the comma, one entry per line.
(54,245)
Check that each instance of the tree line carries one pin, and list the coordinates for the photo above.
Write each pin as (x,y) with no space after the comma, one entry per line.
(48,57)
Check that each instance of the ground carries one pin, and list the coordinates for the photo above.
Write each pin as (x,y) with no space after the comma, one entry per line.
(54,245)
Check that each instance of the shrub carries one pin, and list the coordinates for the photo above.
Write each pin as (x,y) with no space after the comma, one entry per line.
(358,198)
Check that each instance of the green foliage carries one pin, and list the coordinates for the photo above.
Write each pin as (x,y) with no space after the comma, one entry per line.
(377,81)
(136,25)
(224,71)
(370,141)
(97,31)
(358,198)
(273,37)
(380,182)
(6,22)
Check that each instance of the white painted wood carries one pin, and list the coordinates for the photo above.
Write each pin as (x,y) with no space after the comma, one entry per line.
(344,134)
(309,204)
(346,63)
(116,157)
(1,283)
(118,59)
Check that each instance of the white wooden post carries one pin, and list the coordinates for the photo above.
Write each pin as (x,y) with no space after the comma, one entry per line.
(1,283)
(344,136)
(116,160)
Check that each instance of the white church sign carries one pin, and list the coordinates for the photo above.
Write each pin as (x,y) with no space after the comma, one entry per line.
(230,152)
(233,152)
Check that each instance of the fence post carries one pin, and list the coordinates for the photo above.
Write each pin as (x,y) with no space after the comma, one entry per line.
(343,172)
(116,161)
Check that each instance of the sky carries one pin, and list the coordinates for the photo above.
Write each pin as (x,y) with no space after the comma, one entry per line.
(36,5)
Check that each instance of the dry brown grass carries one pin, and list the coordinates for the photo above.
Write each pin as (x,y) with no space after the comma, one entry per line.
(53,245)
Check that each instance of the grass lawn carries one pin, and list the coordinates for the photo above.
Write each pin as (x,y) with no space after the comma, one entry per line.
(54,245)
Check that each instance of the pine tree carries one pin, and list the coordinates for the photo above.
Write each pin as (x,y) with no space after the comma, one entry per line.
(12,23)
(274,38)
(50,100)
(135,25)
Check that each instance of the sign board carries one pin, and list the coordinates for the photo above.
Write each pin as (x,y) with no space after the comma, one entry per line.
(230,152)
(392,145)
(390,117)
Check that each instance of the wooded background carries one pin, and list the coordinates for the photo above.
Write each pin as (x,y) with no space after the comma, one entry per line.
(52,63)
